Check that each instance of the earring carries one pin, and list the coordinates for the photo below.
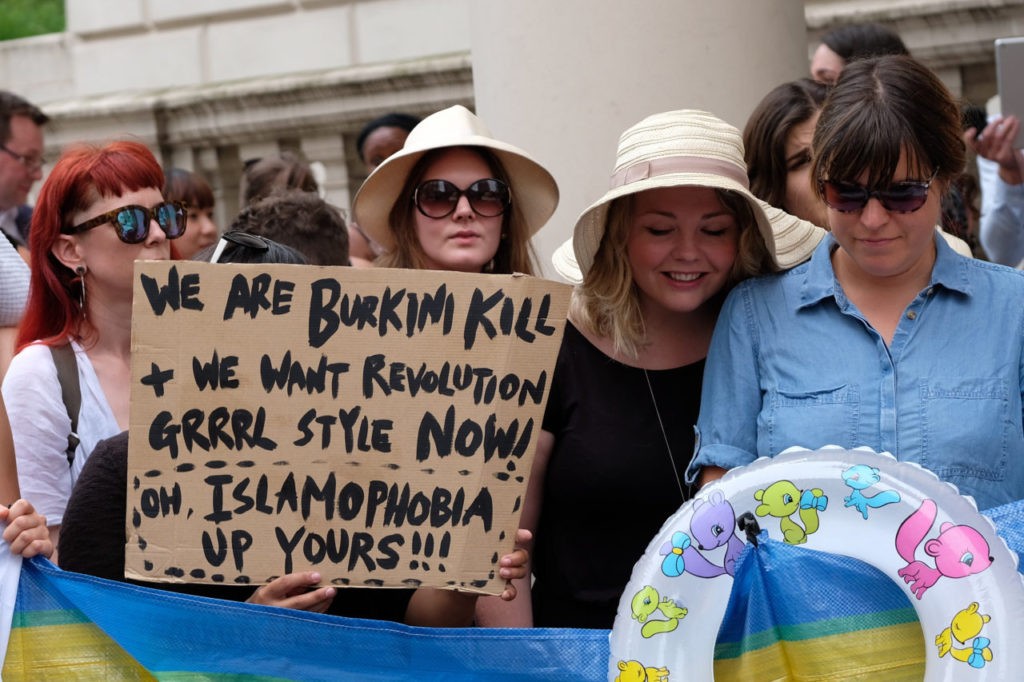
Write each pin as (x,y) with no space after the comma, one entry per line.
(80,271)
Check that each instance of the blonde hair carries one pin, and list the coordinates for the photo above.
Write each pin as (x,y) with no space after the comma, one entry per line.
(515,253)
(607,303)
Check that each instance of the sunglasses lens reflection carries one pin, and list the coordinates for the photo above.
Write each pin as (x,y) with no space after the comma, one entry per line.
(133,222)
(172,219)
(437,198)
(489,198)
(905,198)
(132,225)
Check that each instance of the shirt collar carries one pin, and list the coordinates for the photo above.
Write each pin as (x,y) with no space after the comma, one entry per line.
(949,271)
(9,216)
(9,224)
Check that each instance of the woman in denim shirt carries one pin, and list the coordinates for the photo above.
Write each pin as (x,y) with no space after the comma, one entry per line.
(886,337)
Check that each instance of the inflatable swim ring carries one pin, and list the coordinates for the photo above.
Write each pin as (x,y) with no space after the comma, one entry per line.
(945,556)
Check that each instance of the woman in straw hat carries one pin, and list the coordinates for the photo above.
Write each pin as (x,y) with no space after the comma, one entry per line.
(657,253)
(454,198)
(921,371)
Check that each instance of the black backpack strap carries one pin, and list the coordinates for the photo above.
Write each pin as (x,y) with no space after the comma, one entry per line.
(70,392)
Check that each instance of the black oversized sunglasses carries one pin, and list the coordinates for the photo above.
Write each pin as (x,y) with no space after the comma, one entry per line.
(438,198)
(132,222)
(247,240)
(899,197)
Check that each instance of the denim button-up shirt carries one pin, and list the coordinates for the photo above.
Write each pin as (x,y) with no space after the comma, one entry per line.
(793,362)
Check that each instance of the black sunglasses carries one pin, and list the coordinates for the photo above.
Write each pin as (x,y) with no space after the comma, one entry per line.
(246,240)
(132,222)
(899,197)
(438,198)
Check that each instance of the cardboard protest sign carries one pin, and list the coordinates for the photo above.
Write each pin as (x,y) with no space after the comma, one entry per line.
(377,426)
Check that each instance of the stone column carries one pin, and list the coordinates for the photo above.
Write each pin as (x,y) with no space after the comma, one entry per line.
(247,151)
(225,181)
(564,79)
(206,162)
(329,150)
(257,149)
(183,157)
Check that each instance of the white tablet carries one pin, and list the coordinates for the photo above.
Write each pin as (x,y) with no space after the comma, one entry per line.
(1010,72)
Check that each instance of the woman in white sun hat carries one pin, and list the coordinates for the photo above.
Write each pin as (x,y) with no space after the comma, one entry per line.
(657,253)
(455,198)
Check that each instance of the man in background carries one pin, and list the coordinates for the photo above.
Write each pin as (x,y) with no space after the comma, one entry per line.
(21,163)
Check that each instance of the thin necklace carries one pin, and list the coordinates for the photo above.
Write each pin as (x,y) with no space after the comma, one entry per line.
(668,448)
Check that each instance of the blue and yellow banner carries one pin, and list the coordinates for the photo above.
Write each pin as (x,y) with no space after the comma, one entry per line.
(783,617)
(70,626)
(795,613)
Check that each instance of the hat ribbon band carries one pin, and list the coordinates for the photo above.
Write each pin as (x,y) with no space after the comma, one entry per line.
(678,164)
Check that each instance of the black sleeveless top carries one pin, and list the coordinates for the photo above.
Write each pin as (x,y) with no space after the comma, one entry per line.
(610,484)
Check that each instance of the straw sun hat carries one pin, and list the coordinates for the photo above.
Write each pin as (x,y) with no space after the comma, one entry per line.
(564,260)
(534,191)
(688,148)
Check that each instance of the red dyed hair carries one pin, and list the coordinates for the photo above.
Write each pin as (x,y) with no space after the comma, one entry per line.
(83,175)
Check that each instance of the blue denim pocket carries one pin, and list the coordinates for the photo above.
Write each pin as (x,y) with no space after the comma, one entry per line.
(966,427)
(811,418)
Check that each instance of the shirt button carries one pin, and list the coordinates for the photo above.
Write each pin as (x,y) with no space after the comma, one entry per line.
(911,315)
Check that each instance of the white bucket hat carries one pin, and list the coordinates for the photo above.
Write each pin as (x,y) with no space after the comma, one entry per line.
(689,148)
(534,191)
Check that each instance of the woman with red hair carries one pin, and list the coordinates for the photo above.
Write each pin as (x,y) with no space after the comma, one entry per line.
(100,209)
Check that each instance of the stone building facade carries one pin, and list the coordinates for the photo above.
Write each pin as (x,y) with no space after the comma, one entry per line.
(211,83)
